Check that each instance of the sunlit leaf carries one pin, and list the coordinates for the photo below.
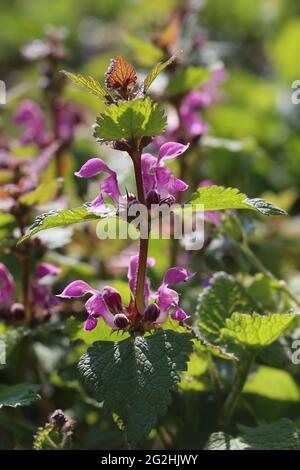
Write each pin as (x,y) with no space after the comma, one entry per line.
(130,119)
(90,84)
(63,218)
(218,198)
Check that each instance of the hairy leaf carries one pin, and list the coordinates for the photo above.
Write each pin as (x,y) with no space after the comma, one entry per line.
(217,302)
(130,119)
(62,218)
(281,435)
(120,75)
(255,330)
(91,85)
(218,198)
(156,71)
(134,377)
(18,395)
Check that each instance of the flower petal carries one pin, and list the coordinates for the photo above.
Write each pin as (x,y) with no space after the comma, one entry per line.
(171,150)
(132,273)
(7,286)
(76,289)
(93,167)
(176,275)
(167,297)
(97,307)
(90,323)
(179,314)
(46,269)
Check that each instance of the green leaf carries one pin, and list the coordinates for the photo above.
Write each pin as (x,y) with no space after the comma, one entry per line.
(145,52)
(281,388)
(256,331)
(130,119)
(18,395)
(156,71)
(44,193)
(134,377)
(217,302)
(218,198)
(62,218)
(281,435)
(91,85)
(188,79)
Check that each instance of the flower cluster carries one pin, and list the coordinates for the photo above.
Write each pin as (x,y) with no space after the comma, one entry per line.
(42,299)
(108,304)
(160,184)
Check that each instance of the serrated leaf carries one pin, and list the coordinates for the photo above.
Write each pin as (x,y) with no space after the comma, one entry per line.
(281,435)
(44,193)
(217,302)
(219,198)
(120,75)
(63,218)
(134,377)
(188,79)
(130,119)
(256,331)
(40,441)
(18,395)
(156,71)
(90,84)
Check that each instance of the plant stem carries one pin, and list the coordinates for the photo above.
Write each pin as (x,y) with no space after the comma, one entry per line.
(242,370)
(25,287)
(144,242)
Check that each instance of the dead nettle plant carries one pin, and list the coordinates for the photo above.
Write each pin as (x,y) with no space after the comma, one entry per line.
(134,373)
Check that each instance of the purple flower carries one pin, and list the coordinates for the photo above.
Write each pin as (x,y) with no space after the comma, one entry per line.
(169,298)
(96,306)
(155,176)
(7,287)
(108,304)
(189,114)
(67,117)
(31,117)
(42,298)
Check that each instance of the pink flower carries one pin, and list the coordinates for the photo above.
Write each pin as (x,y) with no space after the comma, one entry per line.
(156,176)
(108,304)
(31,117)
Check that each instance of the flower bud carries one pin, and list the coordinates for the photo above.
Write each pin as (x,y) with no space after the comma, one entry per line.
(121,321)
(112,299)
(17,311)
(152,198)
(170,200)
(151,313)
